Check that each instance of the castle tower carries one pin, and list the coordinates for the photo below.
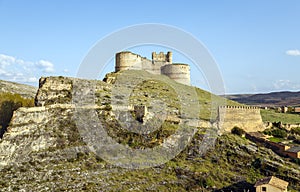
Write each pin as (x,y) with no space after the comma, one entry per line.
(159,60)
(178,72)
(128,61)
(161,57)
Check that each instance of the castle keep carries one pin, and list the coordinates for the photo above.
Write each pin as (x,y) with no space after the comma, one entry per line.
(160,64)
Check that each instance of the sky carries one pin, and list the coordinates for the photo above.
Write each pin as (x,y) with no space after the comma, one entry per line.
(256,44)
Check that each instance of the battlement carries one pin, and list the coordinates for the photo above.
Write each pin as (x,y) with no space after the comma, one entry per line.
(239,107)
(160,64)
(161,57)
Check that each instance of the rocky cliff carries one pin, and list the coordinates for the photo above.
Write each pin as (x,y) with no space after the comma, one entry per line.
(45,149)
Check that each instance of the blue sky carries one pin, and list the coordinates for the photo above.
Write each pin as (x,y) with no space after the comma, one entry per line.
(255,43)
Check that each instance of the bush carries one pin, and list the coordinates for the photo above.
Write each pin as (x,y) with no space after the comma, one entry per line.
(295,131)
(280,133)
(237,131)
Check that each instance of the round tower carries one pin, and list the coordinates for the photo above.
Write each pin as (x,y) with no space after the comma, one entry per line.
(128,61)
(178,72)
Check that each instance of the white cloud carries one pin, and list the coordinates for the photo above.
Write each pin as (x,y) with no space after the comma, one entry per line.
(15,69)
(286,85)
(6,60)
(46,66)
(293,52)
(66,70)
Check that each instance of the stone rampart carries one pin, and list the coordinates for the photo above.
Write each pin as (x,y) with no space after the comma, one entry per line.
(245,117)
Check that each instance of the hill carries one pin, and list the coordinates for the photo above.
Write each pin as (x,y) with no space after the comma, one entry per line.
(25,91)
(46,147)
(274,99)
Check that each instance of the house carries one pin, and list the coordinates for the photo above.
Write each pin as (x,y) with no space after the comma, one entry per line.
(271,184)
(293,152)
(297,109)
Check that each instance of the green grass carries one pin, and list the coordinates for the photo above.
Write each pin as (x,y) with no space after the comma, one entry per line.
(163,89)
(272,116)
(276,139)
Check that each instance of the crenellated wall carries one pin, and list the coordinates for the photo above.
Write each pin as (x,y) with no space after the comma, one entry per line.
(245,117)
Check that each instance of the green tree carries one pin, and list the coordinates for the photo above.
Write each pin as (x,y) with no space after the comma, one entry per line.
(237,131)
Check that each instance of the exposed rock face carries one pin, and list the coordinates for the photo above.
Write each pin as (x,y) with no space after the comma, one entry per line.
(54,90)
(43,149)
(34,130)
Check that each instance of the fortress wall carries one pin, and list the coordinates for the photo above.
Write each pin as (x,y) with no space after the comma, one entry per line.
(247,118)
(149,66)
(130,61)
(177,72)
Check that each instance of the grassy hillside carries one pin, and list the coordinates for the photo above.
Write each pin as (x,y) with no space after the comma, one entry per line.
(25,91)
(272,116)
(161,87)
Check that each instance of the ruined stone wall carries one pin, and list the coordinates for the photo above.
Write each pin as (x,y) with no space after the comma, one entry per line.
(177,72)
(247,118)
(130,61)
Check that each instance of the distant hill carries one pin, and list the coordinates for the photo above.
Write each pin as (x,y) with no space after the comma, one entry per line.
(276,99)
(26,91)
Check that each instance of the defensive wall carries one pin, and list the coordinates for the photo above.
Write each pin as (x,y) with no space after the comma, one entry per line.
(245,117)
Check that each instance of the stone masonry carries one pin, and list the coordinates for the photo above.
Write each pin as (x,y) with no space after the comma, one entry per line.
(245,117)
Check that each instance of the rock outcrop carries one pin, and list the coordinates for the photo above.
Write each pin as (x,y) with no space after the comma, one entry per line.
(44,149)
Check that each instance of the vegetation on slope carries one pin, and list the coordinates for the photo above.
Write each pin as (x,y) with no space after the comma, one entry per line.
(25,91)
(10,102)
(272,116)
(231,164)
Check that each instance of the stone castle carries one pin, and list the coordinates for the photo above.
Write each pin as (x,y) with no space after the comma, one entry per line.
(245,117)
(160,64)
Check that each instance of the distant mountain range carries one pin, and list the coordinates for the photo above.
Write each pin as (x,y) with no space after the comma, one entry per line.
(275,99)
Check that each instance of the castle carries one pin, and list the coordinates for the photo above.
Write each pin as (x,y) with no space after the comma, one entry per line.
(160,64)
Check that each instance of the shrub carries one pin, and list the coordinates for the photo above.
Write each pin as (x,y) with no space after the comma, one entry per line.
(295,131)
(280,133)
(237,131)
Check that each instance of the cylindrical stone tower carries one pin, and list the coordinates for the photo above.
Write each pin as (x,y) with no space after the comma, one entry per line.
(178,72)
(128,61)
